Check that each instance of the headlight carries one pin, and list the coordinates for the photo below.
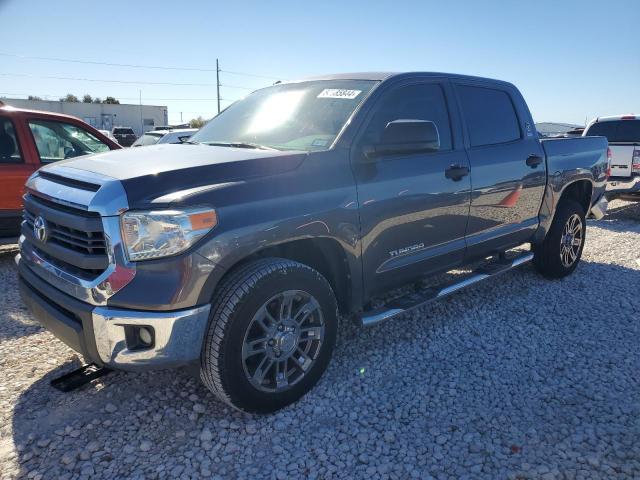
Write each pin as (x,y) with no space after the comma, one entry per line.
(155,234)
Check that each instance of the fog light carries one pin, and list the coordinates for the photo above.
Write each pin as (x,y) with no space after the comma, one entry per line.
(139,338)
(145,336)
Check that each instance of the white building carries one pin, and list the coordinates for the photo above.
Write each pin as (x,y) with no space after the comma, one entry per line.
(102,116)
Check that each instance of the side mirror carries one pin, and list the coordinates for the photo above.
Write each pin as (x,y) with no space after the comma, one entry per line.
(406,136)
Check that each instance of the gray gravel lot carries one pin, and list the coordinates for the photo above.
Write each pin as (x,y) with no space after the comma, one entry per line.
(520,378)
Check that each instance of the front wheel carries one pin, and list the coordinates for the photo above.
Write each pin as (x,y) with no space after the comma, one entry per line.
(271,334)
(558,255)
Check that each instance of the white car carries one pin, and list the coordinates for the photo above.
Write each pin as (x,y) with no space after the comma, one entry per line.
(155,137)
(623,133)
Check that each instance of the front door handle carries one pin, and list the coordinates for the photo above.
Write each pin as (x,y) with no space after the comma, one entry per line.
(534,160)
(456,172)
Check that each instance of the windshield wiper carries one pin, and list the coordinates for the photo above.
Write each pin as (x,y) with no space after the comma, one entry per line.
(239,145)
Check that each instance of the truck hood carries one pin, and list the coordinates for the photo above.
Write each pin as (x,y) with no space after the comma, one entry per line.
(147,173)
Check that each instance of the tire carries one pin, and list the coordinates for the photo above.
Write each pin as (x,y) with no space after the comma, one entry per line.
(243,336)
(551,258)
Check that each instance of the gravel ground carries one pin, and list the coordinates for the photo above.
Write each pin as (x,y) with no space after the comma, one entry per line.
(520,378)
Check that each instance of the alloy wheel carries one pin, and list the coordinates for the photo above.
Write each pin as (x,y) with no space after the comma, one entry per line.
(571,241)
(283,340)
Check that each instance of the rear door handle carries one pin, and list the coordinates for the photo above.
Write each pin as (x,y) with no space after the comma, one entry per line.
(456,172)
(534,160)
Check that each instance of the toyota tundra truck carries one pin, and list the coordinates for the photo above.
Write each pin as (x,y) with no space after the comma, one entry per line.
(305,202)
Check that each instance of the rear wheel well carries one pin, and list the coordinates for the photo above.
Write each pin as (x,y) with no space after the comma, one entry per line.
(579,191)
(322,254)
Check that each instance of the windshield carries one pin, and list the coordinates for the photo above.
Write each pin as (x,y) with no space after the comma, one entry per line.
(297,116)
(147,139)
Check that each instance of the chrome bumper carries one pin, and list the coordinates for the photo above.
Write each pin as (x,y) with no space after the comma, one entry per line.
(618,186)
(108,335)
(178,337)
(599,209)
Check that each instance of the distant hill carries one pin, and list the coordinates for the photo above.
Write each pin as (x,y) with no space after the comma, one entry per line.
(551,128)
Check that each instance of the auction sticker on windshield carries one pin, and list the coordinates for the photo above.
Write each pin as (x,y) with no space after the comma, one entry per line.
(339,93)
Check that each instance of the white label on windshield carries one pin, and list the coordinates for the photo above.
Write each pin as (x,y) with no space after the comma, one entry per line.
(339,93)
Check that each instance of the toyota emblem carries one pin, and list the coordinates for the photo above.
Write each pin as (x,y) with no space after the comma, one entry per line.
(40,229)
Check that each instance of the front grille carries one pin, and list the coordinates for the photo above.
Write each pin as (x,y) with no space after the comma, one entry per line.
(75,238)
(85,242)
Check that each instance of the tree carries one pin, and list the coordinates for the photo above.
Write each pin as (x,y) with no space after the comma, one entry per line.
(97,100)
(197,122)
(87,98)
(33,97)
(71,98)
(111,100)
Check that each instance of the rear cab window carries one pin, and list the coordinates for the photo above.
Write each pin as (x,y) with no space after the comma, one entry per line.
(59,140)
(617,131)
(489,114)
(9,147)
(123,131)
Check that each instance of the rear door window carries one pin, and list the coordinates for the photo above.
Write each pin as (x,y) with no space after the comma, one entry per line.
(489,114)
(9,149)
(59,140)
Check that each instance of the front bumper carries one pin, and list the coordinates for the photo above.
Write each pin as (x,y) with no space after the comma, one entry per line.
(102,334)
(622,187)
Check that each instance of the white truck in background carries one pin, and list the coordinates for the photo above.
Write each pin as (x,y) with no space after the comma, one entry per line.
(623,133)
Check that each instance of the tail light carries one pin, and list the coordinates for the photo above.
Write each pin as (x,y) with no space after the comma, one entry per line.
(635,161)
(609,157)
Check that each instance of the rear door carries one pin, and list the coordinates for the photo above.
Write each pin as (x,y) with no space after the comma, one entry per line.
(508,171)
(412,217)
(624,138)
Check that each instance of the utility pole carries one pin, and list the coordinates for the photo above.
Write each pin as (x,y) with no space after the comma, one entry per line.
(218,83)
(141,122)
(180,117)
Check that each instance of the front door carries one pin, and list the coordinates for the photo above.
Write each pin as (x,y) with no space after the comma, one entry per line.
(14,172)
(413,217)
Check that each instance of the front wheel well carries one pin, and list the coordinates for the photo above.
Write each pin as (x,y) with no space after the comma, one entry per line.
(322,254)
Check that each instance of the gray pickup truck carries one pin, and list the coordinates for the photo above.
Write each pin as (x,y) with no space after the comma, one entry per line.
(238,251)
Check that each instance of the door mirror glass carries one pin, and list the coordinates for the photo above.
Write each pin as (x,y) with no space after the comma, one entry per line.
(406,136)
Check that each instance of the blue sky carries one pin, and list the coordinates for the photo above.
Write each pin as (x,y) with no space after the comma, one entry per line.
(571,59)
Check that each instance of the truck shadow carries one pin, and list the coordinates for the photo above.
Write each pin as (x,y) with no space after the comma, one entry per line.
(51,430)
(15,319)
(622,217)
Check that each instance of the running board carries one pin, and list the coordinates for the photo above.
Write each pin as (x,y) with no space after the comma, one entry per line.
(408,302)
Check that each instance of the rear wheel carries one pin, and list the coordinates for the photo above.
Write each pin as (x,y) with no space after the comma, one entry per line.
(271,334)
(559,253)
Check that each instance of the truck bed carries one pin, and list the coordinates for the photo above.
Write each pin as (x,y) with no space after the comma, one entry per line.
(577,156)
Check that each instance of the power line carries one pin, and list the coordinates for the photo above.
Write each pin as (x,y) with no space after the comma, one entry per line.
(90,62)
(132,65)
(250,75)
(120,98)
(236,86)
(48,77)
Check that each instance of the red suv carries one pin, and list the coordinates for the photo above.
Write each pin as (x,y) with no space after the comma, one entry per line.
(30,139)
